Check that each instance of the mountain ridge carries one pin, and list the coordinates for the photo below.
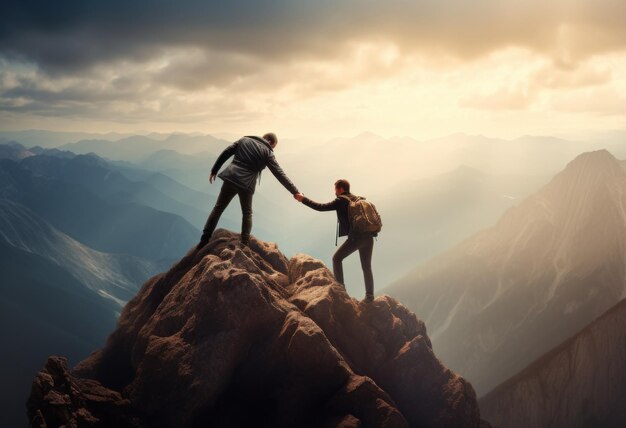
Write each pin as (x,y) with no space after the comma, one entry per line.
(233,336)
(549,266)
(589,393)
(106,225)
(56,295)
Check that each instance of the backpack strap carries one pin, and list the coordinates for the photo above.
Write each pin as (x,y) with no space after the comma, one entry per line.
(344,197)
(347,198)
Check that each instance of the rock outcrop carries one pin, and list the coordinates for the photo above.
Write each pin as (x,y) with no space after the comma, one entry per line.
(59,399)
(240,336)
(579,384)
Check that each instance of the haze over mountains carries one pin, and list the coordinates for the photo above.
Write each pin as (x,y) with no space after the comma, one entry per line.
(59,293)
(552,264)
(67,193)
(386,171)
(130,208)
(138,147)
(56,294)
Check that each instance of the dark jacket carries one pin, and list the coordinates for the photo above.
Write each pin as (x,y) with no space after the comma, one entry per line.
(340,205)
(252,155)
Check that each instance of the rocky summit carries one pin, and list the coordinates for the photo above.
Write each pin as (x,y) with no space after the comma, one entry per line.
(236,336)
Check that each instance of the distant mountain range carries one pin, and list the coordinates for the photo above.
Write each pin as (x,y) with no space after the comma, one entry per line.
(111,183)
(100,207)
(428,216)
(503,297)
(112,276)
(56,294)
(49,139)
(137,147)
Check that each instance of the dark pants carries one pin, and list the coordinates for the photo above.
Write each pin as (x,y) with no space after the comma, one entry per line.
(365,245)
(227,193)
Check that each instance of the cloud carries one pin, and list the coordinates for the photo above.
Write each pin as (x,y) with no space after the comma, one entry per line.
(516,98)
(579,76)
(602,101)
(195,69)
(70,36)
(188,84)
(209,60)
(526,80)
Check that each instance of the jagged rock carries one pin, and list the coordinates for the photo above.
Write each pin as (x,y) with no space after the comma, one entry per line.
(59,399)
(235,336)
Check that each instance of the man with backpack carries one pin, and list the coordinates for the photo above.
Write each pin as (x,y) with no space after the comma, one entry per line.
(251,155)
(359,220)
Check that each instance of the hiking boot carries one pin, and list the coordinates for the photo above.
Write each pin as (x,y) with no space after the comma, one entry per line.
(369,298)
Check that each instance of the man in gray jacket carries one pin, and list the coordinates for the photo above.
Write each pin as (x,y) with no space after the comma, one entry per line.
(251,155)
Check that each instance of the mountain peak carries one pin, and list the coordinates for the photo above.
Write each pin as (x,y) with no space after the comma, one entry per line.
(596,163)
(597,158)
(507,294)
(367,137)
(242,336)
(586,174)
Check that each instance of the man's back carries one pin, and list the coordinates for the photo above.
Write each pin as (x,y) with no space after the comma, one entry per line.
(253,152)
(251,156)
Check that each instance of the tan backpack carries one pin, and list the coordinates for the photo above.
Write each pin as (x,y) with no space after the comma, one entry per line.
(364,217)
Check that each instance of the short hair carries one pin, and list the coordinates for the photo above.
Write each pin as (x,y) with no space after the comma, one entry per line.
(344,184)
(271,138)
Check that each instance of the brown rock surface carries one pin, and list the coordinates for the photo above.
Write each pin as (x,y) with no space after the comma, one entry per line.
(234,336)
(60,399)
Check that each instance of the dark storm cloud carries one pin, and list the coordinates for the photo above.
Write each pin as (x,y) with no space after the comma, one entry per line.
(86,57)
(70,35)
(29,89)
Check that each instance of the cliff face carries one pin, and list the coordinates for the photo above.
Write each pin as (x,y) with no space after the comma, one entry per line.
(236,336)
(581,383)
(505,296)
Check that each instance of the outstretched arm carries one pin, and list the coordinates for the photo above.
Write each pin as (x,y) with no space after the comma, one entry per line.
(329,206)
(280,175)
(223,157)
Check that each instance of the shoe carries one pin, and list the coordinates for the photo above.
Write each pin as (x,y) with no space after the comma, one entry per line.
(368,298)
(245,244)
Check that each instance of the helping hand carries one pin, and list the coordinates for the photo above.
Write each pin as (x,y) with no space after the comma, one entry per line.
(212,178)
(298,196)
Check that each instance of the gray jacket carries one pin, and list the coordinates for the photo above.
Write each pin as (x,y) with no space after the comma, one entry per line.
(251,156)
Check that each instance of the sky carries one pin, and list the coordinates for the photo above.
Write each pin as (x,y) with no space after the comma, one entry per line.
(319,69)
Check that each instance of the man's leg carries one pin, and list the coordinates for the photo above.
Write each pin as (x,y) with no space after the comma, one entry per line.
(227,193)
(342,252)
(245,199)
(365,252)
